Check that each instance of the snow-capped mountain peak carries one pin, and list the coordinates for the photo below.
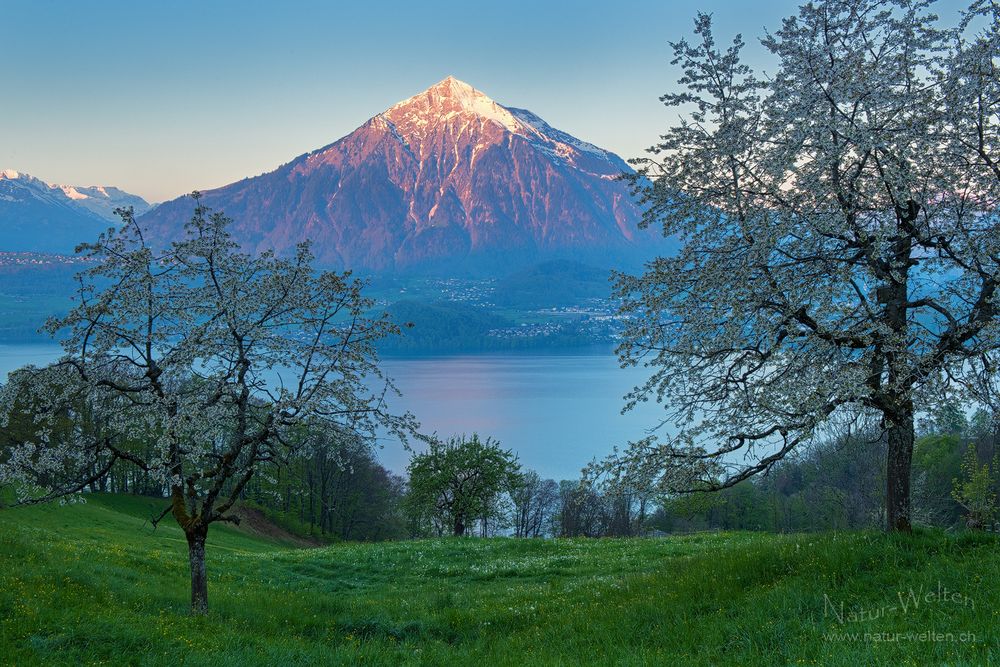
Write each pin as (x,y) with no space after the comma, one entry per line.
(458,109)
(449,99)
(447,179)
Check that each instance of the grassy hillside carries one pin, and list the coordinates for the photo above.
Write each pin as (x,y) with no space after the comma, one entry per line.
(90,583)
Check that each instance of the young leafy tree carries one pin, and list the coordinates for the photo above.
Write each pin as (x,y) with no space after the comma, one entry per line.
(975,490)
(839,241)
(221,358)
(460,480)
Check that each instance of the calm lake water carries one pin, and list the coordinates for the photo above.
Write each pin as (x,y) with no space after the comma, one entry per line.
(558,411)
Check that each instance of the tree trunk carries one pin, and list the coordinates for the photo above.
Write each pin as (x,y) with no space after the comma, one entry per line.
(459,527)
(199,581)
(898,408)
(900,456)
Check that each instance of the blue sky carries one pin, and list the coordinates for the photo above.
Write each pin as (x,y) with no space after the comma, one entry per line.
(160,98)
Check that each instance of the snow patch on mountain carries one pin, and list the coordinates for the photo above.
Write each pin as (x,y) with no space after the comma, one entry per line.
(448,99)
(72,192)
(544,130)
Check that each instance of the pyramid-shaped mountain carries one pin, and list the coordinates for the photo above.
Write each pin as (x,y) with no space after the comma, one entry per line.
(447,180)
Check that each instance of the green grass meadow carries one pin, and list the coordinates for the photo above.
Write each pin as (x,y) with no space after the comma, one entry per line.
(92,583)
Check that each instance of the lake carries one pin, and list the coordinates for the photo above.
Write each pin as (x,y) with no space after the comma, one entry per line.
(557,410)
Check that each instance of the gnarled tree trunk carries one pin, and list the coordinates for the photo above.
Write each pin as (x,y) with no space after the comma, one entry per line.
(199,582)
(897,472)
(898,410)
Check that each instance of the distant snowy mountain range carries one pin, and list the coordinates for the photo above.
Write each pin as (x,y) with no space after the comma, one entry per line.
(36,216)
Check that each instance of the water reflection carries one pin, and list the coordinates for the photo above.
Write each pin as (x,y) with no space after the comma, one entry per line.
(556,411)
